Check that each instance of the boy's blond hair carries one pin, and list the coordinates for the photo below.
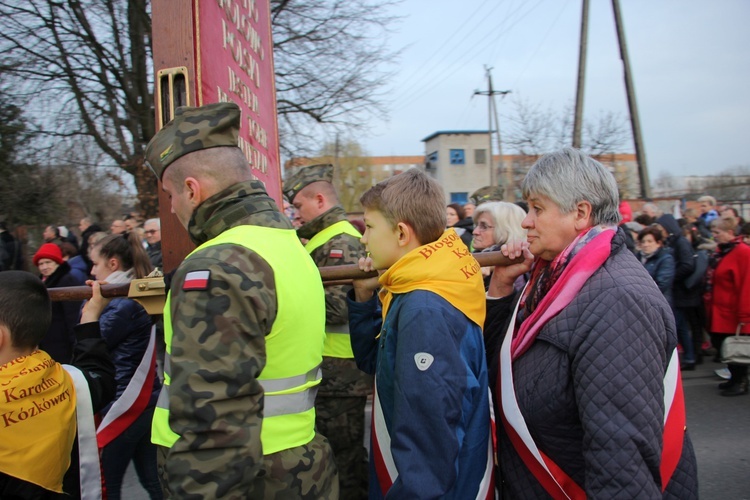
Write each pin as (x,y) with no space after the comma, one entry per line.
(411,197)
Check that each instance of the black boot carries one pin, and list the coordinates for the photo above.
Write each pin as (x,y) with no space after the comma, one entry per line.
(726,385)
(737,389)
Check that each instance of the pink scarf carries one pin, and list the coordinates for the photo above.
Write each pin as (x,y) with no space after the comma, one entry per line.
(570,270)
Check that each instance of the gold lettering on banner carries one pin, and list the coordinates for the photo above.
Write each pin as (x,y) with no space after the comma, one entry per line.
(240,54)
(243,91)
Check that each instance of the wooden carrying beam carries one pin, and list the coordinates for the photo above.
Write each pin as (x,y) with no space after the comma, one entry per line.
(330,275)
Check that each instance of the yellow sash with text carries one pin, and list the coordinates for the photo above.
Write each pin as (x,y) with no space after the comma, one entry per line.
(445,267)
(37,420)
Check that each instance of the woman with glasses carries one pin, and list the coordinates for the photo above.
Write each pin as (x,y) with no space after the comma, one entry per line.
(496,223)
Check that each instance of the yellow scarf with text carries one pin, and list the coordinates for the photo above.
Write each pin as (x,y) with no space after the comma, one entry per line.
(445,267)
(37,420)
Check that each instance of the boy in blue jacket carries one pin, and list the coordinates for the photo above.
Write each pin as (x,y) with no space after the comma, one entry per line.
(431,434)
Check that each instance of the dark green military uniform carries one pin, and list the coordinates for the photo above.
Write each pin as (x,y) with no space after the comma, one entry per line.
(219,330)
(342,395)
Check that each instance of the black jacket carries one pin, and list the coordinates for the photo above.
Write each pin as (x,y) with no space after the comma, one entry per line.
(684,260)
(58,342)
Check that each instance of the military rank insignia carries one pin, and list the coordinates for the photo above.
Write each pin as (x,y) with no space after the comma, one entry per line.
(196,280)
(336,253)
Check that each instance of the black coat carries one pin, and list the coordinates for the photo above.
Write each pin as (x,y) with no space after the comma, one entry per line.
(684,260)
(58,342)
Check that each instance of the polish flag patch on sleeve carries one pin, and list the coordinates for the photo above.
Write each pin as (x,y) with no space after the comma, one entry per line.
(196,280)
(336,253)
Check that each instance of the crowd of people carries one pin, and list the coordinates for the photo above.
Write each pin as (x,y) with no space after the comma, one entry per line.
(554,376)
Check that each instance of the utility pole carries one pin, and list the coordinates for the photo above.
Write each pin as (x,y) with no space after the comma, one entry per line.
(640,152)
(578,119)
(492,111)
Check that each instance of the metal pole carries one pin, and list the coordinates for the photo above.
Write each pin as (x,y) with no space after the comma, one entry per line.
(640,152)
(578,119)
(493,172)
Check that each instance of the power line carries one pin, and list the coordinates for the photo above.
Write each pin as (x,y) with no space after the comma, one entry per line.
(434,83)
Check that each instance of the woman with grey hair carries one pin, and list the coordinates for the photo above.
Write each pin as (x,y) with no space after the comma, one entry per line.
(495,223)
(589,387)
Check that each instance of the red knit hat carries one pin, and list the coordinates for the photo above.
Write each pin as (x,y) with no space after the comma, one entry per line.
(48,251)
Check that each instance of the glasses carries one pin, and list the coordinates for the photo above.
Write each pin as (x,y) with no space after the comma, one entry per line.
(151,231)
(484,227)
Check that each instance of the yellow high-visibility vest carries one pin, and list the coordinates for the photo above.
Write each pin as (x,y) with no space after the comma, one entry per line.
(338,343)
(294,348)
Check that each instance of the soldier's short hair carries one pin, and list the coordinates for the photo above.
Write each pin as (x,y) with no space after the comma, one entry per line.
(411,197)
(25,308)
(193,129)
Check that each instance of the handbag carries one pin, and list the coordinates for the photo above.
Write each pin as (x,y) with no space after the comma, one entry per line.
(736,349)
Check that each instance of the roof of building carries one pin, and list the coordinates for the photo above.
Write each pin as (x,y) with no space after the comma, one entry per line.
(396,160)
(453,132)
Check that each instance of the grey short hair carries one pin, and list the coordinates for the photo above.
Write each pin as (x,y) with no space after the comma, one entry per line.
(154,221)
(568,177)
(506,217)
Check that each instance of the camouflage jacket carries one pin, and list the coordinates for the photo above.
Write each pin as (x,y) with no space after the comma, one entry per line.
(338,251)
(218,351)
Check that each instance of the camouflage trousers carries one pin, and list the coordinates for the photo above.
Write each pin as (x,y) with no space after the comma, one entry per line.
(307,472)
(340,416)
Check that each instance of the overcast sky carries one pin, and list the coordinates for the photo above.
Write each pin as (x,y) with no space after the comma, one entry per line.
(690,61)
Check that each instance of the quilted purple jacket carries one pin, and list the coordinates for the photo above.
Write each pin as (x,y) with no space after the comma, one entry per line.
(590,388)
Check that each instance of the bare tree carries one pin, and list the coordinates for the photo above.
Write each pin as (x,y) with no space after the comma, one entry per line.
(352,171)
(86,68)
(330,57)
(532,130)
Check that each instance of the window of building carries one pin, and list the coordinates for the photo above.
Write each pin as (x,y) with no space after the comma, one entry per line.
(430,162)
(459,198)
(480,156)
(457,157)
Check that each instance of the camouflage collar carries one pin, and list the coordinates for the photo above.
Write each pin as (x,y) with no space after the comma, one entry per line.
(242,203)
(322,221)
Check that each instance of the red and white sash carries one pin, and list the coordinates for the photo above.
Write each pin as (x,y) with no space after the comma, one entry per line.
(554,480)
(385,467)
(133,400)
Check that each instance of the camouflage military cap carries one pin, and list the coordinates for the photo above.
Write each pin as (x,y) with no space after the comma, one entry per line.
(305,176)
(193,129)
(486,193)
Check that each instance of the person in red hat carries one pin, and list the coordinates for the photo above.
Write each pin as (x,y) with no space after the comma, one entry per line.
(55,272)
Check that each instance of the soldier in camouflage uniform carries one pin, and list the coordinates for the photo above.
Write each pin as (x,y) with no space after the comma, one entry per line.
(340,405)
(485,194)
(224,317)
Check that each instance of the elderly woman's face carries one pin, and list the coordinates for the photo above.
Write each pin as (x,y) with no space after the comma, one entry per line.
(549,230)
(484,232)
(47,267)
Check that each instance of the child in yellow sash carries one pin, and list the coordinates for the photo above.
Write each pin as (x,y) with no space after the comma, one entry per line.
(37,396)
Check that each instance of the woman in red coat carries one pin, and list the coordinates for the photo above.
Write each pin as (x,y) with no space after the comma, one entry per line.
(728,296)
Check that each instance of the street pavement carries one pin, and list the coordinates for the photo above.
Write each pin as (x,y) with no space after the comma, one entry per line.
(718,426)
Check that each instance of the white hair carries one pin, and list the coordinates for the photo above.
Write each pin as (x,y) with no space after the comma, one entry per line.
(154,221)
(506,217)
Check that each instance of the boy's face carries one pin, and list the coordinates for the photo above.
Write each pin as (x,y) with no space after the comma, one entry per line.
(381,240)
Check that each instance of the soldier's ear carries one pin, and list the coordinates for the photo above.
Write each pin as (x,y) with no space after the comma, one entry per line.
(193,191)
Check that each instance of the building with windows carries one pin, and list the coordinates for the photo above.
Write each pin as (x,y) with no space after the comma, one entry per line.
(457,159)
